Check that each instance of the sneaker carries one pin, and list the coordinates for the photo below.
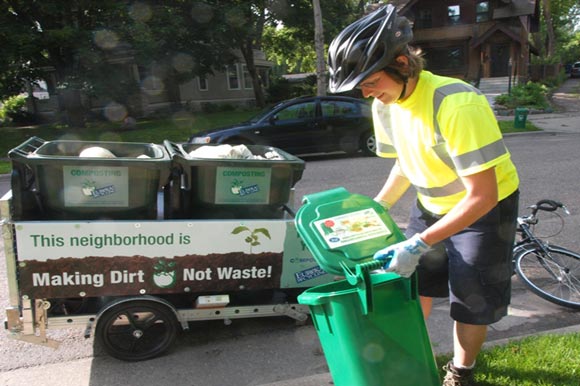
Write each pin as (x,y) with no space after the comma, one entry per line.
(457,377)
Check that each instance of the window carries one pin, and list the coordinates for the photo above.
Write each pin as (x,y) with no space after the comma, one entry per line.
(297,111)
(445,59)
(454,14)
(202,83)
(482,11)
(233,77)
(424,20)
(246,78)
(337,109)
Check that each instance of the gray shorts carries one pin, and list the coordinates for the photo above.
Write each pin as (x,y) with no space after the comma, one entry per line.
(473,267)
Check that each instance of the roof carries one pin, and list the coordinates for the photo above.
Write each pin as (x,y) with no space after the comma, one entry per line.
(515,8)
(497,27)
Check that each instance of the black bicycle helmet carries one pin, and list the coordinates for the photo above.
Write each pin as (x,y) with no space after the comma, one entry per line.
(368,45)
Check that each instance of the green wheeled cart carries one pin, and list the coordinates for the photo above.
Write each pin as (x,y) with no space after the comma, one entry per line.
(370,325)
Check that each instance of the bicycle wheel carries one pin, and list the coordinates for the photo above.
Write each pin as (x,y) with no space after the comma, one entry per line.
(553,275)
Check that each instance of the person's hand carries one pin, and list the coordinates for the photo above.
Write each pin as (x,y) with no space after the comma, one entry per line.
(402,258)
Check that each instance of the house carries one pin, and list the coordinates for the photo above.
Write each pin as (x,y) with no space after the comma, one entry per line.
(231,85)
(473,39)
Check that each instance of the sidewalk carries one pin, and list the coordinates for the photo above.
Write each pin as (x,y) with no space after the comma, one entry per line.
(528,315)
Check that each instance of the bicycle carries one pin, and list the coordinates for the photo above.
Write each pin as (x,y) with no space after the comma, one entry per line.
(550,271)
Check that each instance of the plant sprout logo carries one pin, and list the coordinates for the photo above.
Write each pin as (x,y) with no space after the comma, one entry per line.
(252,239)
(239,189)
(164,273)
(90,189)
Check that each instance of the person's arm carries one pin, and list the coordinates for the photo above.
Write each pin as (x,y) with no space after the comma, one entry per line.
(394,188)
(480,198)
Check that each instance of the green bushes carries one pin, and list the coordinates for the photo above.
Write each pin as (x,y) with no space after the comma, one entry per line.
(530,95)
(13,111)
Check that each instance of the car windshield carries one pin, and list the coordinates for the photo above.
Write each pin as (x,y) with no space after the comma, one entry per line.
(265,111)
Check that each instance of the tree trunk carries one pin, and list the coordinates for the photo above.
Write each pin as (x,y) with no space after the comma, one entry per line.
(172,90)
(73,112)
(248,53)
(549,28)
(319,47)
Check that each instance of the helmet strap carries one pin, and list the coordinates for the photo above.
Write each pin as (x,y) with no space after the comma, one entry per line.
(402,78)
(403,91)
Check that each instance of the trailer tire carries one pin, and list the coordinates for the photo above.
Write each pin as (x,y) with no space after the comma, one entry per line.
(136,330)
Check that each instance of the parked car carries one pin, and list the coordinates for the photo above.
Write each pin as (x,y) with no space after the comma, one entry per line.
(305,125)
(575,71)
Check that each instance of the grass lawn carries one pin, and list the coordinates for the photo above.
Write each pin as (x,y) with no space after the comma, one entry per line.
(177,129)
(543,360)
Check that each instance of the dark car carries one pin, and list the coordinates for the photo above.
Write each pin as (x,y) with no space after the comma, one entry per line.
(575,71)
(304,125)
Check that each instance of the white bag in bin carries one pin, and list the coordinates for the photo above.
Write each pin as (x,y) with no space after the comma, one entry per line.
(231,152)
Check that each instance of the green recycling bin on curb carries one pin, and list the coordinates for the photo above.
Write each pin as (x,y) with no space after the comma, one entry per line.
(370,325)
(520,117)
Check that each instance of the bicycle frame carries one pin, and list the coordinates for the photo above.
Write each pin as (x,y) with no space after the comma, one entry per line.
(544,255)
(527,237)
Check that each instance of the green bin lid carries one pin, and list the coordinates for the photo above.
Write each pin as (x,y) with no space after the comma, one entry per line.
(340,228)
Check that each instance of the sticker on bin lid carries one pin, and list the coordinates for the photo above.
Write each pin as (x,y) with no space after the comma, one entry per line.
(351,228)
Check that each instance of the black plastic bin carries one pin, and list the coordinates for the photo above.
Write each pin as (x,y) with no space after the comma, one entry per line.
(50,181)
(232,188)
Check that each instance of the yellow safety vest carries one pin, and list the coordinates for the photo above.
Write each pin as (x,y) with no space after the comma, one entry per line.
(444,130)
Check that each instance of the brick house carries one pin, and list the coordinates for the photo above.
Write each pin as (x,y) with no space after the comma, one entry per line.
(473,39)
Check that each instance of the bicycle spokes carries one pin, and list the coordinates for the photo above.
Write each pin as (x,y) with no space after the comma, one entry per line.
(553,273)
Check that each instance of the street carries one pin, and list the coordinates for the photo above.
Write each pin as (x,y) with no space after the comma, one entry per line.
(261,351)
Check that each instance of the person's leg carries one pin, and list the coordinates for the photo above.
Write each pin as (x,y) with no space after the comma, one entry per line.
(467,342)
(426,305)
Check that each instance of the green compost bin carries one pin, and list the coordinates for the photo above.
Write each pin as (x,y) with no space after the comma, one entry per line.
(370,325)
(520,117)
(257,187)
(53,180)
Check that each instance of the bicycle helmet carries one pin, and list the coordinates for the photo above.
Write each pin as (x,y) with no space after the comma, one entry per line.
(366,46)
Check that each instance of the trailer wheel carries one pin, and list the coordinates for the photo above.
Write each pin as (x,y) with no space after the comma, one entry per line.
(137,330)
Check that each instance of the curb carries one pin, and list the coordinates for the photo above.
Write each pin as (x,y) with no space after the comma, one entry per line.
(325,378)
(557,331)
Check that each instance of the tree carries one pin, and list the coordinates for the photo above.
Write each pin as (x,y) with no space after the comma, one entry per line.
(559,21)
(294,35)
(90,45)
(242,24)
(319,47)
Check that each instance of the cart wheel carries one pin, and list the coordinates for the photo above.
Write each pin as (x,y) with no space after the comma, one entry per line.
(137,330)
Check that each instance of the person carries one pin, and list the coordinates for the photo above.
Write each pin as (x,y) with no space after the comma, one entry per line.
(448,146)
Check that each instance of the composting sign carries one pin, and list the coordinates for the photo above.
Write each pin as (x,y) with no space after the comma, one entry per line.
(96,186)
(70,259)
(237,185)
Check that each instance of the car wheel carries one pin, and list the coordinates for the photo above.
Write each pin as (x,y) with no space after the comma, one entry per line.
(368,143)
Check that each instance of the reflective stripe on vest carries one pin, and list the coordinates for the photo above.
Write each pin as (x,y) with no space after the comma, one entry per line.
(455,186)
(440,94)
(464,161)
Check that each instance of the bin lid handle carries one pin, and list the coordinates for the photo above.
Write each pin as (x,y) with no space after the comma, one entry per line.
(361,278)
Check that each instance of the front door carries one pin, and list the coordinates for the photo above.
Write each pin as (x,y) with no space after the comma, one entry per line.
(500,56)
